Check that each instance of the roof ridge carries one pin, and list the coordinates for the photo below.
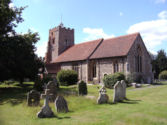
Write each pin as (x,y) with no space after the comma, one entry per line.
(122,36)
(88,41)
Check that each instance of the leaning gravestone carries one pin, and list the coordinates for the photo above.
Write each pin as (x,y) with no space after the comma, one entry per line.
(33,98)
(118,89)
(61,104)
(46,111)
(103,97)
(123,89)
(52,93)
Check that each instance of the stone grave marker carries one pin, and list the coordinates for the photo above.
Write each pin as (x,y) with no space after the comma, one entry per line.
(61,104)
(33,98)
(124,89)
(46,111)
(118,90)
(52,91)
(103,97)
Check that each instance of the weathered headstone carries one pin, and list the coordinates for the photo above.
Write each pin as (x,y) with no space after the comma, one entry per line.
(51,87)
(46,111)
(118,89)
(103,97)
(123,89)
(33,98)
(61,104)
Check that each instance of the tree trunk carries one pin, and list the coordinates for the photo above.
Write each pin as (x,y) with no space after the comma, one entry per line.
(21,81)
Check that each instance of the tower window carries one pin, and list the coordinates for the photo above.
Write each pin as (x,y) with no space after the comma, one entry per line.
(66,42)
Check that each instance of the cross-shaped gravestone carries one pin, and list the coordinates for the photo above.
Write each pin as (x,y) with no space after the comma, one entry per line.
(46,111)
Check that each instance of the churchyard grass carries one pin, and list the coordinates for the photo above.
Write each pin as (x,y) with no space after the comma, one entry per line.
(146,106)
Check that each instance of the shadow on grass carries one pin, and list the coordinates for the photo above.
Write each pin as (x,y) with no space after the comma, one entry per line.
(68,91)
(66,117)
(14,95)
(127,101)
(159,84)
(55,116)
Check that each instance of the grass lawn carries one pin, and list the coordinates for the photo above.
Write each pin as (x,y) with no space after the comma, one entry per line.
(146,106)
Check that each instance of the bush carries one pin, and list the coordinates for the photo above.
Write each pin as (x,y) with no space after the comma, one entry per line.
(134,77)
(110,80)
(67,77)
(163,75)
(82,88)
(39,83)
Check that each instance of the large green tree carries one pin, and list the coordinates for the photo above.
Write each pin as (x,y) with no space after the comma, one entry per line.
(159,63)
(17,52)
(9,18)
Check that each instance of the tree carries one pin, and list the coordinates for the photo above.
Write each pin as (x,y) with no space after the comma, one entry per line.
(9,18)
(159,63)
(17,52)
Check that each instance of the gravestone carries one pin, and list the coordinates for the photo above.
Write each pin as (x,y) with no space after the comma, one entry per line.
(103,97)
(118,90)
(51,87)
(123,89)
(33,98)
(46,111)
(61,104)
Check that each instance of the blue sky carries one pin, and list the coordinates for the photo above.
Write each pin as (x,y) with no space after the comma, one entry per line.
(94,19)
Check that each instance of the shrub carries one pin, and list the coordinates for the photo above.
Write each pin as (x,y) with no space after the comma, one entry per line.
(82,88)
(163,75)
(134,77)
(39,83)
(67,77)
(110,80)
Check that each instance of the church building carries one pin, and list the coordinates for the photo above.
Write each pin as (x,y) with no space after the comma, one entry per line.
(92,60)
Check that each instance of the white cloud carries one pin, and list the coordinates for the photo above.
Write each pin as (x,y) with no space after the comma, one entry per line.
(154,32)
(11,5)
(160,1)
(36,1)
(162,15)
(121,14)
(95,33)
(41,49)
(33,29)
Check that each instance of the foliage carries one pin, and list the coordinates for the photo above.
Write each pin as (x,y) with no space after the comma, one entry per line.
(163,75)
(9,18)
(110,80)
(17,52)
(67,77)
(18,59)
(159,64)
(134,77)
(82,88)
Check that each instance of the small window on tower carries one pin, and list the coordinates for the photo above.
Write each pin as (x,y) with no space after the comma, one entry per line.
(53,41)
(66,43)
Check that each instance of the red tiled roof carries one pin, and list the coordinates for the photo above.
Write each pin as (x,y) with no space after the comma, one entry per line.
(114,47)
(79,51)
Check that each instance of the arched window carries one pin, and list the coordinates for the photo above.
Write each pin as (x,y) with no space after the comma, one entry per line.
(138,60)
(94,70)
(116,67)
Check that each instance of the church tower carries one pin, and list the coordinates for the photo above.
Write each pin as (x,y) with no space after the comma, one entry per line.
(60,39)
